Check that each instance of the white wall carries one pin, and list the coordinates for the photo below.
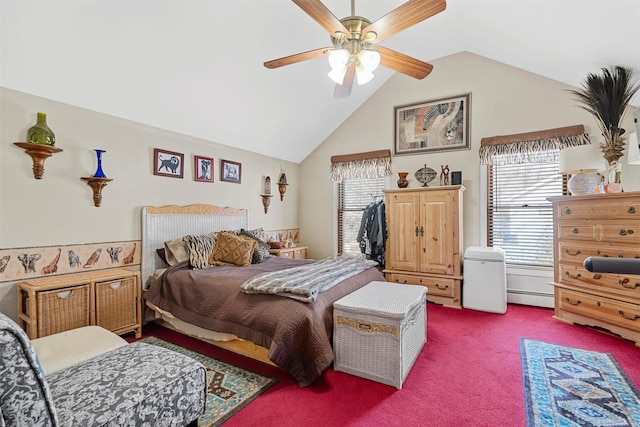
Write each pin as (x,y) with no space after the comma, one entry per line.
(504,100)
(59,209)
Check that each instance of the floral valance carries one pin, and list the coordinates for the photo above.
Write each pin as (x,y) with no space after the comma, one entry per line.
(372,164)
(530,147)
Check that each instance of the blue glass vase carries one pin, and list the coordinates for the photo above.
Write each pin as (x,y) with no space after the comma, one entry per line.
(99,173)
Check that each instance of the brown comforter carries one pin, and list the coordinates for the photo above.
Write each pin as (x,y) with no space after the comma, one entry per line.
(297,334)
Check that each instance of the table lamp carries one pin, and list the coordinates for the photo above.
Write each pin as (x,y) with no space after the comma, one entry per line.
(581,162)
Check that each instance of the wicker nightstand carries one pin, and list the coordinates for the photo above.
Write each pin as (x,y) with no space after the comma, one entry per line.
(107,298)
(297,252)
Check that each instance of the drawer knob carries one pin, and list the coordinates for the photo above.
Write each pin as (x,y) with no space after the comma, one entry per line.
(567,211)
(568,300)
(574,254)
(575,231)
(442,288)
(633,317)
(632,210)
(570,276)
(624,232)
(625,284)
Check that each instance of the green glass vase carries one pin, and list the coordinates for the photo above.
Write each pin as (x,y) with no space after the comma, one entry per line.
(40,133)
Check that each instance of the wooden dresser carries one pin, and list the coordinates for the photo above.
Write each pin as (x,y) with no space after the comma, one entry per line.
(425,240)
(601,225)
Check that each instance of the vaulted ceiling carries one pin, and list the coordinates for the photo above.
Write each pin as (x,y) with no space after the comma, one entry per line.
(195,67)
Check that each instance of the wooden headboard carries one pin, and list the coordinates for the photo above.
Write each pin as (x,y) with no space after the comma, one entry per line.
(160,224)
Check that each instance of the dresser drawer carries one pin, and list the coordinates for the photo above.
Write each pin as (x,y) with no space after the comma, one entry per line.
(437,286)
(295,252)
(63,309)
(578,231)
(605,309)
(577,252)
(628,285)
(613,209)
(607,231)
(623,232)
(115,303)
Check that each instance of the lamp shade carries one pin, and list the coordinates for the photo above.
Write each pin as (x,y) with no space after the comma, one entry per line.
(370,59)
(633,155)
(337,74)
(338,58)
(581,158)
(363,75)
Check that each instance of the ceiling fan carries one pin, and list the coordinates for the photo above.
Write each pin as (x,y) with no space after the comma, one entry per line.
(355,52)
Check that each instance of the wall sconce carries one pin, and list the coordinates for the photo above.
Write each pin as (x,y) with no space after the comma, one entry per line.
(266,196)
(282,184)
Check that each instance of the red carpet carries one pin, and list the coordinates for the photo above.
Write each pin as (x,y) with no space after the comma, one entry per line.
(468,374)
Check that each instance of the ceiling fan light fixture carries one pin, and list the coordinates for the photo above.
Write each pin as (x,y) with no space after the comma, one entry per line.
(338,58)
(370,59)
(363,75)
(337,74)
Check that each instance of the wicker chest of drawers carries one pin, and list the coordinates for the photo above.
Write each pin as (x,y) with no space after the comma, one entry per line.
(108,298)
(603,225)
(296,252)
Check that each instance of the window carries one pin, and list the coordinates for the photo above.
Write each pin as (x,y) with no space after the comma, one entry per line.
(354,194)
(519,216)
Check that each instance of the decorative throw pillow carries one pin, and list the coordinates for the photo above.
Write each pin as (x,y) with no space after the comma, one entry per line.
(200,249)
(232,250)
(261,252)
(162,254)
(176,251)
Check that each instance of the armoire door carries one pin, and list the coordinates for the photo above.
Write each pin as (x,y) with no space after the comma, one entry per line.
(403,224)
(436,214)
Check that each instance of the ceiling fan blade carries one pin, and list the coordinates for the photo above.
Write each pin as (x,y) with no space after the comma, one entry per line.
(403,63)
(298,57)
(322,15)
(406,15)
(344,90)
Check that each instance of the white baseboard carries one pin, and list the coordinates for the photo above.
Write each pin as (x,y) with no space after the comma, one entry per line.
(524,297)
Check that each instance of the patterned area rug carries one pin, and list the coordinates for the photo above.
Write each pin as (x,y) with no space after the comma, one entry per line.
(566,386)
(230,388)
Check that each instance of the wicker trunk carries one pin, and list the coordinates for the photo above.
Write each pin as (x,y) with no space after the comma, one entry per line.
(379,331)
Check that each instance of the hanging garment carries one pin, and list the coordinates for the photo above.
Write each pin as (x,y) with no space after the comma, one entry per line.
(372,234)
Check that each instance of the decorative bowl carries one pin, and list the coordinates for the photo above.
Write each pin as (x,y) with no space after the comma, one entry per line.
(425,175)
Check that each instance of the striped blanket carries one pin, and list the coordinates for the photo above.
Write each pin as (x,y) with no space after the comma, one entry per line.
(305,282)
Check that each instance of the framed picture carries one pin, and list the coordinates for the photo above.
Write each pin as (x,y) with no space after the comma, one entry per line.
(203,169)
(230,171)
(432,126)
(168,163)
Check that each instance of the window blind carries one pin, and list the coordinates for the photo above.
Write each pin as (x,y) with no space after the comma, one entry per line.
(354,195)
(520,218)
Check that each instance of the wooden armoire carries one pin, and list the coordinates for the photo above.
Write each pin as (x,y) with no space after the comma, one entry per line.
(424,241)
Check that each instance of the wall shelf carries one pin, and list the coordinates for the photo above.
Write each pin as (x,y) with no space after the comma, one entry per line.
(266,200)
(97,184)
(39,153)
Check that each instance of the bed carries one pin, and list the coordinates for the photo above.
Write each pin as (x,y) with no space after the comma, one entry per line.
(296,336)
